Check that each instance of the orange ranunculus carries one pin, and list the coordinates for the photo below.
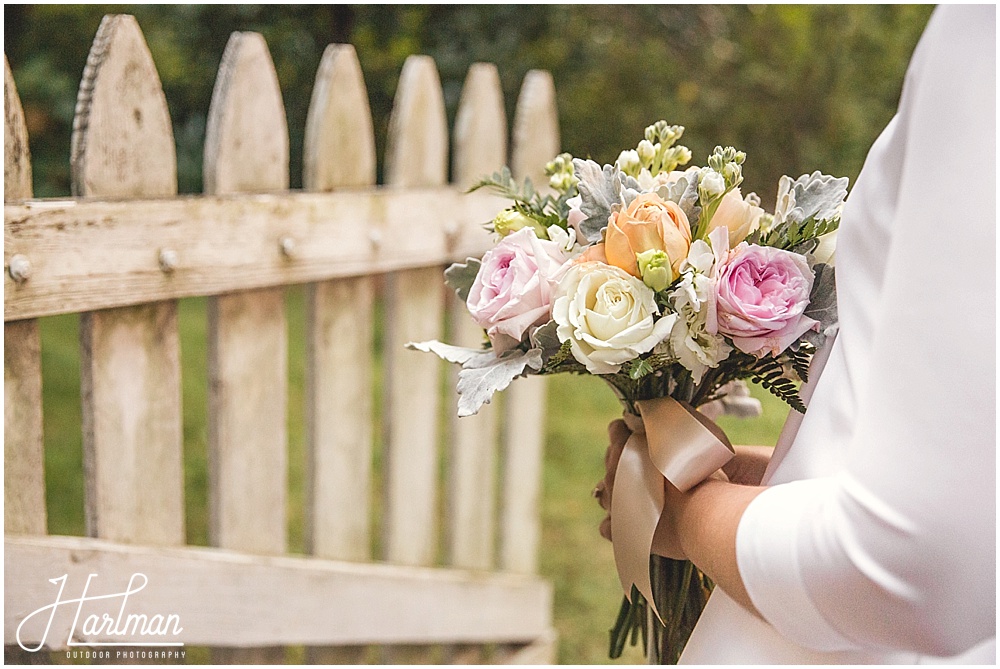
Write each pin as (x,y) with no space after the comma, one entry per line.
(650,222)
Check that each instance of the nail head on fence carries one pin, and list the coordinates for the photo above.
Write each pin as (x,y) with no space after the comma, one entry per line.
(19,268)
(168,260)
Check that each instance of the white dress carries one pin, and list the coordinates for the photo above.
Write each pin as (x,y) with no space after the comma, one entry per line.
(876,540)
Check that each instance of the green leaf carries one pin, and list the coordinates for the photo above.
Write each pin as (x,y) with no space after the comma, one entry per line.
(639,369)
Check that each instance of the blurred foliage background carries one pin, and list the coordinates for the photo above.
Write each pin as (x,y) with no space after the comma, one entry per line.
(799,88)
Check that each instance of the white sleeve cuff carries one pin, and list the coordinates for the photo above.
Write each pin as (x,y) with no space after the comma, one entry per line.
(767,554)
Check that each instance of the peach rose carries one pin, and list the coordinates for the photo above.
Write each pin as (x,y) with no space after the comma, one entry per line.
(649,223)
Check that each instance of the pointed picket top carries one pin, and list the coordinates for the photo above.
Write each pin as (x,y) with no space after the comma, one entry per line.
(417,147)
(536,127)
(340,138)
(480,126)
(123,143)
(16,155)
(246,138)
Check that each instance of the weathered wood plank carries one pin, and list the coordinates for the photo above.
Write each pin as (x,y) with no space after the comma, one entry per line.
(480,149)
(339,148)
(122,143)
(416,155)
(122,146)
(339,151)
(540,651)
(536,141)
(24,457)
(16,155)
(88,255)
(246,150)
(281,600)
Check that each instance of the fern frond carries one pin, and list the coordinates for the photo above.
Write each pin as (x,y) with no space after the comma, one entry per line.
(770,374)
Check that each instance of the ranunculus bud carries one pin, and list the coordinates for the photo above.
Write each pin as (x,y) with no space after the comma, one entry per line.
(511,220)
(711,186)
(654,266)
(650,222)
(628,162)
(826,250)
(646,151)
(739,216)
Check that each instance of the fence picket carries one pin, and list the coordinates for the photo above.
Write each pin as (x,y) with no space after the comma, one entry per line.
(122,146)
(480,148)
(536,141)
(416,155)
(24,458)
(246,150)
(339,151)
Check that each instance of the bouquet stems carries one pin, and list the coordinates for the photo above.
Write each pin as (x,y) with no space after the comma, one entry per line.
(680,591)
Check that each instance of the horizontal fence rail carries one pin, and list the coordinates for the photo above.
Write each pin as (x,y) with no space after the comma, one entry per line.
(453,505)
(88,255)
(228,598)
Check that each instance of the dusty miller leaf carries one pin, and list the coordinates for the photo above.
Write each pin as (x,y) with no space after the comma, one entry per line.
(599,190)
(684,193)
(460,277)
(544,337)
(822,305)
(456,354)
(480,378)
(483,372)
(815,195)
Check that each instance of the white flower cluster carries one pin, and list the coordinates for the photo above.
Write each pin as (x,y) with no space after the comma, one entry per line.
(693,300)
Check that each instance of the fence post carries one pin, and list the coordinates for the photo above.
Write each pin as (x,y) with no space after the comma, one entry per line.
(480,148)
(24,457)
(339,151)
(416,156)
(246,150)
(536,141)
(123,146)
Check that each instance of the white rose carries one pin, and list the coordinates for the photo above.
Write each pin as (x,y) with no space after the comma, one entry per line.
(608,316)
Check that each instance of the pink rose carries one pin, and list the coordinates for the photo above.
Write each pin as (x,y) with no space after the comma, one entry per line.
(513,289)
(761,293)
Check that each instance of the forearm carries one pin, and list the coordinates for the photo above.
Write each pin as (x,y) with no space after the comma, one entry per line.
(707,518)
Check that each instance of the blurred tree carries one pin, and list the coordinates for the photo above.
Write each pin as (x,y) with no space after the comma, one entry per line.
(798,87)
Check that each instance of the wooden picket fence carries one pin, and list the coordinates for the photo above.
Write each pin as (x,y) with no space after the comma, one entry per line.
(126,247)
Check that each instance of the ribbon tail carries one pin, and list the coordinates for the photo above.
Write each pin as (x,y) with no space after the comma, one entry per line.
(636,507)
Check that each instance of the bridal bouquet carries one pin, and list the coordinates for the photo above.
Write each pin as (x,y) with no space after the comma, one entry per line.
(670,285)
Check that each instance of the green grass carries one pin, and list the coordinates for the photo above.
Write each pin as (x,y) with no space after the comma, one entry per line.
(574,556)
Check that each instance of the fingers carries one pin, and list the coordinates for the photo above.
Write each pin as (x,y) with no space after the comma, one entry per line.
(618,434)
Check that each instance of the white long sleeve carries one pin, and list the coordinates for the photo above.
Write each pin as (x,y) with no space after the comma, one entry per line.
(887,542)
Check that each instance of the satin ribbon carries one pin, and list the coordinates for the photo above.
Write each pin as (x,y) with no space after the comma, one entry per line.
(669,441)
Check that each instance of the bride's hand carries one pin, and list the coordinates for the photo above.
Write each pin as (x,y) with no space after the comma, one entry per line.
(618,434)
(747,467)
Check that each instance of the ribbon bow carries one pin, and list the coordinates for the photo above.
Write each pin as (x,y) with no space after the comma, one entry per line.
(671,441)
